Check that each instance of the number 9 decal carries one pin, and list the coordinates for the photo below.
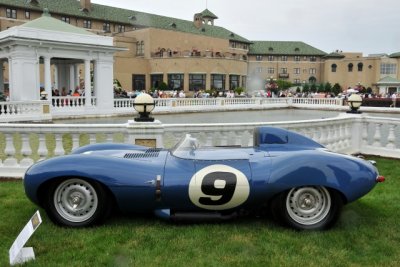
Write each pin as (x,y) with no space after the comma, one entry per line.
(218,187)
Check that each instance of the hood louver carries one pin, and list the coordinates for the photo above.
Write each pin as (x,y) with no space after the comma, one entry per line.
(149,153)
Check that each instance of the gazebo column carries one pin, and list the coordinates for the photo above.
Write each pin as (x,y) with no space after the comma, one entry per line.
(103,76)
(47,77)
(56,85)
(1,77)
(88,86)
(72,78)
(24,63)
(77,81)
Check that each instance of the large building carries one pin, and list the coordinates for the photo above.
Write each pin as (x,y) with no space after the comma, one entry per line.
(198,54)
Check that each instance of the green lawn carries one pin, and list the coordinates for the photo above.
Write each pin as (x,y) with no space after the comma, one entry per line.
(367,234)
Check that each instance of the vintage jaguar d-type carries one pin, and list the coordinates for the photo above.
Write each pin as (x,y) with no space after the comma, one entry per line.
(301,182)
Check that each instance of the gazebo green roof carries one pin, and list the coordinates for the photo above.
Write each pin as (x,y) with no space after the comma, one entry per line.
(46,22)
(208,14)
(284,48)
(388,80)
(125,17)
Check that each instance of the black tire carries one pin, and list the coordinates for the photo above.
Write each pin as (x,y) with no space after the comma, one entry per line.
(307,208)
(75,202)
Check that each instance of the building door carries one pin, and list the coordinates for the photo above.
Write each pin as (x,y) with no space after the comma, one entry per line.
(139,82)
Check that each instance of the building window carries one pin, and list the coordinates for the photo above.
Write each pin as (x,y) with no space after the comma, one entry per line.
(350,67)
(313,58)
(270,58)
(333,67)
(139,82)
(296,81)
(218,82)
(27,14)
(284,58)
(387,68)
(244,81)
(106,27)
(87,24)
(313,71)
(271,70)
(283,71)
(259,69)
(197,82)
(360,66)
(11,13)
(140,48)
(296,58)
(296,70)
(175,81)
(66,19)
(121,28)
(259,57)
(233,81)
(156,80)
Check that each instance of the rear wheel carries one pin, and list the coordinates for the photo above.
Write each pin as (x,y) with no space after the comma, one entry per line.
(75,202)
(307,207)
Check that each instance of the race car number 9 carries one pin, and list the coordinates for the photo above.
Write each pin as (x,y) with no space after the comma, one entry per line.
(218,187)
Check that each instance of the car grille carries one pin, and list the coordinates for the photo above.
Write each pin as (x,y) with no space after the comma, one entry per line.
(149,153)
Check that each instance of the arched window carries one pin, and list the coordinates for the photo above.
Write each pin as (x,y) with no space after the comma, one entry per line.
(350,67)
(360,66)
(312,80)
(333,67)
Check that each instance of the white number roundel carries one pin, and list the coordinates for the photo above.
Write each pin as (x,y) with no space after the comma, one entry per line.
(218,187)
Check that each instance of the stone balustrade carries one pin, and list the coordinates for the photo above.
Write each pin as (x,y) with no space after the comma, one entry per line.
(70,106)
(24,111)
(23,144)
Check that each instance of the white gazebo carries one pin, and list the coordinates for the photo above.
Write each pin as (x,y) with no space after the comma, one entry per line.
(52,54)
(388,85)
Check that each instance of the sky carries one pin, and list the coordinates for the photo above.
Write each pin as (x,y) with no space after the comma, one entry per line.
(367,26)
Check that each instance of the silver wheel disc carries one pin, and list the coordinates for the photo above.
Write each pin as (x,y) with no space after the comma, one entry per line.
(308,205)
(75,200)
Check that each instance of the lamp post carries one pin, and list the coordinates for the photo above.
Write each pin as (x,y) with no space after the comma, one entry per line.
(354,102)
(144,105)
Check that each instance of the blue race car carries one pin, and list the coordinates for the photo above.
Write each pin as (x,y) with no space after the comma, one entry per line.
(301,182)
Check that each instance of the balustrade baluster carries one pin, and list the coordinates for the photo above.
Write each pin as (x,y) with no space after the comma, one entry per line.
(109,137)
(92,138)
(377,136)
(364,135)
(42,151)
(59,149)
(9,150)
(391,137)
(26,150)
(75,141)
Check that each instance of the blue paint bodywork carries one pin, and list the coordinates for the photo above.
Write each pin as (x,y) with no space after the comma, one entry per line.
(279,161)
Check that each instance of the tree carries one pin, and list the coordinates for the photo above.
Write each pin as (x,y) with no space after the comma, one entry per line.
(2,97)
(313,88)
(282,84)
(336,89)
(328,87)
(321,88)
(298,90)
(306,88)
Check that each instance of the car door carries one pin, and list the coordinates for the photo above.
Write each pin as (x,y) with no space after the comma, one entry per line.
(220,184)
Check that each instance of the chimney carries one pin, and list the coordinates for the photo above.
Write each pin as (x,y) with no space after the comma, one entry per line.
(198,20)
(85,5)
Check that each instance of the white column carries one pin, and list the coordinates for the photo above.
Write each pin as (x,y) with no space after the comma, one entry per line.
(77,82)
(103,76)
(1,77)
(26,87)
(10,81)
(47,77)
(56,84)
(71,78)
(88,86)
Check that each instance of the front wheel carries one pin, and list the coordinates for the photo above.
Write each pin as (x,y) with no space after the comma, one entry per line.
(75,202)
(307,207)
